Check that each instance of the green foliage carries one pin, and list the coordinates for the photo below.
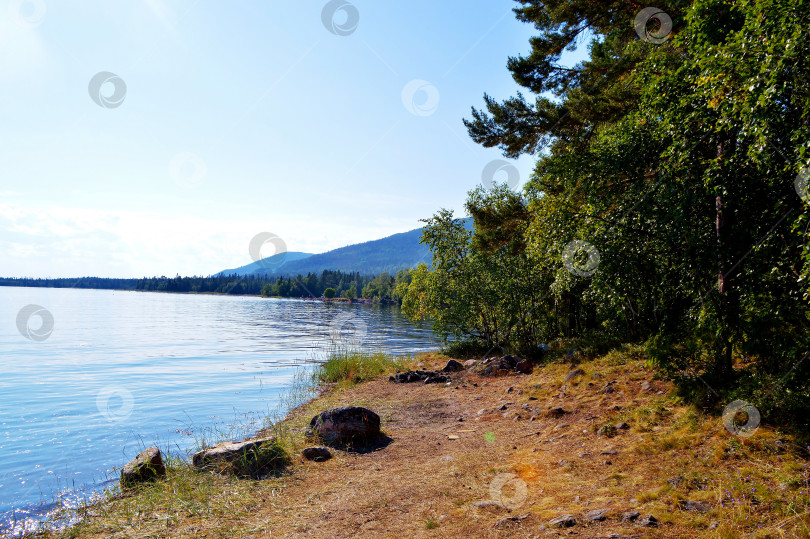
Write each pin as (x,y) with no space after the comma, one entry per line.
(329,293)
(677,162)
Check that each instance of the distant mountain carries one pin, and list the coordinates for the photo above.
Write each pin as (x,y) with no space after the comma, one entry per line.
(390,254)
(269,262)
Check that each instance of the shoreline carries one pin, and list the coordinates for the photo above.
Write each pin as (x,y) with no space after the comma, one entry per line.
(451,443)
(359,301)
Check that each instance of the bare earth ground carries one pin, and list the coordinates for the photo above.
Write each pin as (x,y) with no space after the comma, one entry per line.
(450,443)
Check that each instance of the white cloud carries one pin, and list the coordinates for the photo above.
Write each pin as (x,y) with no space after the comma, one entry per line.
(69,242)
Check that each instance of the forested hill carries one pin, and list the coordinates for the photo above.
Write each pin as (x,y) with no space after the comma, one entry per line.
(389,254)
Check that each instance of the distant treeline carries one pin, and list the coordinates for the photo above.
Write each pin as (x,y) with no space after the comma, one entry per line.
(334,283)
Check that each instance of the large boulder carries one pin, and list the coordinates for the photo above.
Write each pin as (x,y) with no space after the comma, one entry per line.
(147,466)
(349,425)
(453,366)
(253,458)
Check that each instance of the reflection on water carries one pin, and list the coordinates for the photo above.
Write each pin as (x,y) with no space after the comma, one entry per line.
(123,370)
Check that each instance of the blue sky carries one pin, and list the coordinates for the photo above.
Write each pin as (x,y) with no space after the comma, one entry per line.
(237,118)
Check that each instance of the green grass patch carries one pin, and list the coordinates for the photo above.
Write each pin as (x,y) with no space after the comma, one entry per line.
(349,367)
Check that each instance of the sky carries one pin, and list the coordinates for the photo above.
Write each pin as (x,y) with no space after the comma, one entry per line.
(159,137)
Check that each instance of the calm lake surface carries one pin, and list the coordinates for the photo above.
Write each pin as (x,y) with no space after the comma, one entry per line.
(124,370)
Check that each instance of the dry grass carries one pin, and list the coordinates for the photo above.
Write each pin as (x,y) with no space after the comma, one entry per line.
(425,482)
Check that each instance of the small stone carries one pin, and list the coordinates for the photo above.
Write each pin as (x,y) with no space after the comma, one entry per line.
(316,454)
(447,458)
(630,516)
(556,412)
(675,482)
(511,520)
(532,398)
(697,507)
(573,374)
(147,466)
(597,515)
(470,363)
(609,452)
(596,376)
(485,504)
(563,521)
(460,419)
(714,525)
(648,522)
(646,386)
(252,458)
(503,407)
(608,463)
(623,426)
(511,389)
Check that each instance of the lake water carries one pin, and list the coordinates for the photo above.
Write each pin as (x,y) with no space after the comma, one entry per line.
(101,374)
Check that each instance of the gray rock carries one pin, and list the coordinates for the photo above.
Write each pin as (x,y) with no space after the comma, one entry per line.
(147,466)
(253,458)
(524,366)
(714,525)
(608,431)
(675,482)
(697,507)
(648,522)
(453,366)
(623,426)
(347,425)
(630,516)
(573,374)
(511,520)
(486,504)
(563,521)
(556,412)
(317,454)
(597,515)
(470,363)
(646,386)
